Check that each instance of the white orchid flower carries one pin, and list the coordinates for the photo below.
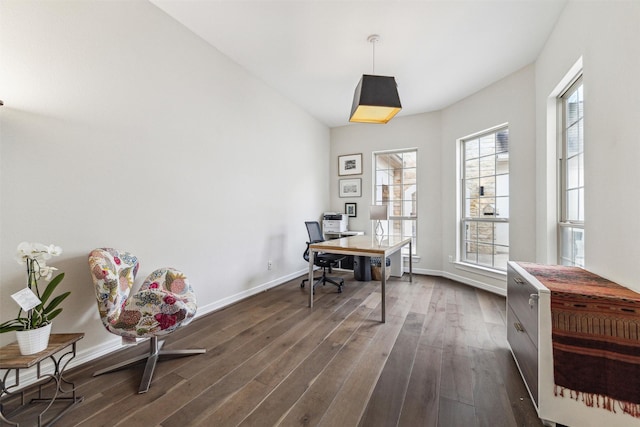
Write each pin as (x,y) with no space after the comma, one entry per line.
(37,252)
(41,251)
(46,272)
(24,252)
(54,250)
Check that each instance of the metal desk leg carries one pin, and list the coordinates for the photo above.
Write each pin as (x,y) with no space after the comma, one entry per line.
(383,264)
(410,262)
(311,255)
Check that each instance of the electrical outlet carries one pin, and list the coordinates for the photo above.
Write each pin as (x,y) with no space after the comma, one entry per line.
(450,258)
(269,264)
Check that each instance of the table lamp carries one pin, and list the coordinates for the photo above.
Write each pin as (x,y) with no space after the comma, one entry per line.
(379,213)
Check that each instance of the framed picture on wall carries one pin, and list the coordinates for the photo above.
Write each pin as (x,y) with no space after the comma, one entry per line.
(351,187)
(351,209)
(350,164)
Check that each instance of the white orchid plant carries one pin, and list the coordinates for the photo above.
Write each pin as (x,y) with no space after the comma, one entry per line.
(35,257)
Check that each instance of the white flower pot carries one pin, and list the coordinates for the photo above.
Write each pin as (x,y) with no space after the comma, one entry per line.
(33,340)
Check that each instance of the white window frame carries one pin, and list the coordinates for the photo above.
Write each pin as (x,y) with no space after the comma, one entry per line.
(464,220)
(570,229)
(397,221)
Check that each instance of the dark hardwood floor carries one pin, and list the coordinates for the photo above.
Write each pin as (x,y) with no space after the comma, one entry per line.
(440,360)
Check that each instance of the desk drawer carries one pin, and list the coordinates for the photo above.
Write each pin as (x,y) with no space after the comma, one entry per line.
(522,298)
(525,352)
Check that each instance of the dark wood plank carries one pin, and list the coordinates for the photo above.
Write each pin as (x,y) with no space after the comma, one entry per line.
(204,405)
(456,363)
(453,413)
(492,307)
(350,402)
(474,325)
(434,325)
(422,401)
(283,362)
(294,385)
(455,378)
(521,404)
(490,398)
(313,404)
(386,400)
(204,380)
(454,330)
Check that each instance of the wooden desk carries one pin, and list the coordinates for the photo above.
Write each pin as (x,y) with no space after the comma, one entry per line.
(362,246)
(347,262)
(13,361)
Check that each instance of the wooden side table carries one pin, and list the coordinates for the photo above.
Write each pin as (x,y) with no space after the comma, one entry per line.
(14,362)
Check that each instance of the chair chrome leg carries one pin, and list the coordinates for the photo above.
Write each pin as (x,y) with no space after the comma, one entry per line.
(148,374)
(157,352)
(152,357)
(180,353)
(121,365)
(150,367)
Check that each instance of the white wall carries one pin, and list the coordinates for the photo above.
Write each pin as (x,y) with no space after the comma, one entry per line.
(121,128)
(511,100)
(606,35)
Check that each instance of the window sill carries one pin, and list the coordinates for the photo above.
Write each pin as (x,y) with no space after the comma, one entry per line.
(483,271)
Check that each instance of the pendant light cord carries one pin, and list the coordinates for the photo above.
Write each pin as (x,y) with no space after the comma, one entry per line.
(373,61)
(373,39)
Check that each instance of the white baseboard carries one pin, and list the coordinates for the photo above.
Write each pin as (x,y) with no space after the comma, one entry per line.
(461,279)
(475,283)
(217,305)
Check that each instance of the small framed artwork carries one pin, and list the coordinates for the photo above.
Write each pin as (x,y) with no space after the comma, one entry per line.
(351,209)
(350,187)
(350,164)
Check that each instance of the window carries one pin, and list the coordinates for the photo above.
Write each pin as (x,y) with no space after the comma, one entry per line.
(485,199)
(571,221)
(396,185)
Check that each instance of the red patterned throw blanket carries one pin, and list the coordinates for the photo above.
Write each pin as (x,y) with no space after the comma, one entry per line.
(595,336)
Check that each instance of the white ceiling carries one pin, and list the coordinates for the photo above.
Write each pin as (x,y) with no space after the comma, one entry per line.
(314,51)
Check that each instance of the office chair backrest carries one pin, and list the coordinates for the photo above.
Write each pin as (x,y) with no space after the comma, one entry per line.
(315,233)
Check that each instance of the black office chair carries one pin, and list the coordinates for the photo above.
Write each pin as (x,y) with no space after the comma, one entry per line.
(326,261)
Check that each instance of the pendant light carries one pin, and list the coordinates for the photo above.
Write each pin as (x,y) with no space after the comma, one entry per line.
(376,98)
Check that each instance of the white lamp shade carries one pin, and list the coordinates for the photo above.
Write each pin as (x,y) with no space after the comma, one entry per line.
(379,212)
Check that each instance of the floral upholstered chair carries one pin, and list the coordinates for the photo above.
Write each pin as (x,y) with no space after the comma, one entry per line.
(164,303)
